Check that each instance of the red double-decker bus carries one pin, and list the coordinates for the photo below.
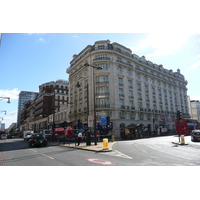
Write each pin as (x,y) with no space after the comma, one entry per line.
(71,130)
(185,126)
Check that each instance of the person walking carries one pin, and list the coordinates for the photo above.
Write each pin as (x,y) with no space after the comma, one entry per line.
(79,138)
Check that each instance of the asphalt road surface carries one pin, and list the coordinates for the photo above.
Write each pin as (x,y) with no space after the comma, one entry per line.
(159,151)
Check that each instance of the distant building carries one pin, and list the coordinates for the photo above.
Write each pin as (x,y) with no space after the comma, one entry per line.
(23,97)
(2,126)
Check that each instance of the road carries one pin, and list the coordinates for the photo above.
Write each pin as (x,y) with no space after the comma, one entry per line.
(159,151)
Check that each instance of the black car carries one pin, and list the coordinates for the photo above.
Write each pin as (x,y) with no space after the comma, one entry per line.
(37,139)
(195,135)
(9,136)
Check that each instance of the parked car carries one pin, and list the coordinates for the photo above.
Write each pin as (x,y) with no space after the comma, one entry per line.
(37,139)
(28,136)
(195,135)
(9,136)
(3,136)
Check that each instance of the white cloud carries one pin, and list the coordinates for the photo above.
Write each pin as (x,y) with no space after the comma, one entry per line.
(194,66)
(41,40)
(162,43)
(75,36)
(13,94)
(9,118)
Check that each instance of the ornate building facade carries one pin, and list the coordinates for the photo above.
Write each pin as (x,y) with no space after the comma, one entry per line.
(129,88)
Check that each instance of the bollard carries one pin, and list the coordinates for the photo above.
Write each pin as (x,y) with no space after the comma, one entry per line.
(182,139)
(112,138)
(105,143)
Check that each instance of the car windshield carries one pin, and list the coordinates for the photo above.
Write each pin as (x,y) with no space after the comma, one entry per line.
(40,136)
(196,133)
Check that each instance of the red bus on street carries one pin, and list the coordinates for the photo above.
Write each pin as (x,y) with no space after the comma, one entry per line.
(185,126)
(71,130)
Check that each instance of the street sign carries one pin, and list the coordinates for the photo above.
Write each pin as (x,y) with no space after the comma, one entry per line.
(100,113)
(103,121)
(90,121)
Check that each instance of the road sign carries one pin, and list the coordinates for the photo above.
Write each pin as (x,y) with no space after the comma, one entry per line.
(90,121)
(99,161)
(103,121)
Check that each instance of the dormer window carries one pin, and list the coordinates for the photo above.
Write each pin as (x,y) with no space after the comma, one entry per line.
(101,47)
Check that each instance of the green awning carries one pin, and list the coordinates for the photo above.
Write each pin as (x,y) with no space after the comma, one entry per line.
(131,126)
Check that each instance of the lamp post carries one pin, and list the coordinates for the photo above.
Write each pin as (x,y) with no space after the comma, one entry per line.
(95,130)
(88,142)
(3,111)
(1,98)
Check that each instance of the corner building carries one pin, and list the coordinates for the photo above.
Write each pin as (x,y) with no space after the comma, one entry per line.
(129,88)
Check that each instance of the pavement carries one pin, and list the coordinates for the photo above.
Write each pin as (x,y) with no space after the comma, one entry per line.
(96,148)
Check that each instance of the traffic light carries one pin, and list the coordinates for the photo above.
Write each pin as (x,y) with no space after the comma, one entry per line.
(79,124)
(179,115)
(108,120)
(54,125)
(64,124)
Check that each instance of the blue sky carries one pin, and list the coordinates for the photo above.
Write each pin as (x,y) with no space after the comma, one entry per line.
(28,60)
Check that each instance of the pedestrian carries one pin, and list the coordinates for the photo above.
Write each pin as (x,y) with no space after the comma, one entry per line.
(79,138)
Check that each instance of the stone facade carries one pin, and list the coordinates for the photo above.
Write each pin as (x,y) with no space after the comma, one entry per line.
(129,88)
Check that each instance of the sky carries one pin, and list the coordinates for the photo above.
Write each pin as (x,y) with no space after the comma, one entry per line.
(28,60)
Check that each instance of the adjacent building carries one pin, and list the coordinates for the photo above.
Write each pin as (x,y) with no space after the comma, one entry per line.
(194,107)
(40,113)
(128,89)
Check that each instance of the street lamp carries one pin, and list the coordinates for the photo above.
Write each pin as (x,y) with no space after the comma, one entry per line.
(95,130)
(88,142)
(1,98)
(3,111)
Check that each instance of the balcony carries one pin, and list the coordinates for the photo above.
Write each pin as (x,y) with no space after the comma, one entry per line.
(103,106)
(101,58)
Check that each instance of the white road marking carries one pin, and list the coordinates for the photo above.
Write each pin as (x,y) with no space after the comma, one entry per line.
(47,156)
(33,150)
(118,154)
(43,154)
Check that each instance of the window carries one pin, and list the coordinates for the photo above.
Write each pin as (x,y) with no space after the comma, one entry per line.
(121,92)
(101,47)
(119,69)
(139,87)
(102,79)
(103,66)
(130,94)
(129,72)
(102,102)
(121,102)
(146,88)
(120,81)
(153,90)
(131,104)
(139,96)
(103,90)
(131,115)
(130,84)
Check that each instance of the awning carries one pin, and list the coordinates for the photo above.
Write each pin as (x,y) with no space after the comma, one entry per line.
(131,126)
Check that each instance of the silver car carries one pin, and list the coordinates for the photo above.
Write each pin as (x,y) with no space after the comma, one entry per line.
(3,136)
